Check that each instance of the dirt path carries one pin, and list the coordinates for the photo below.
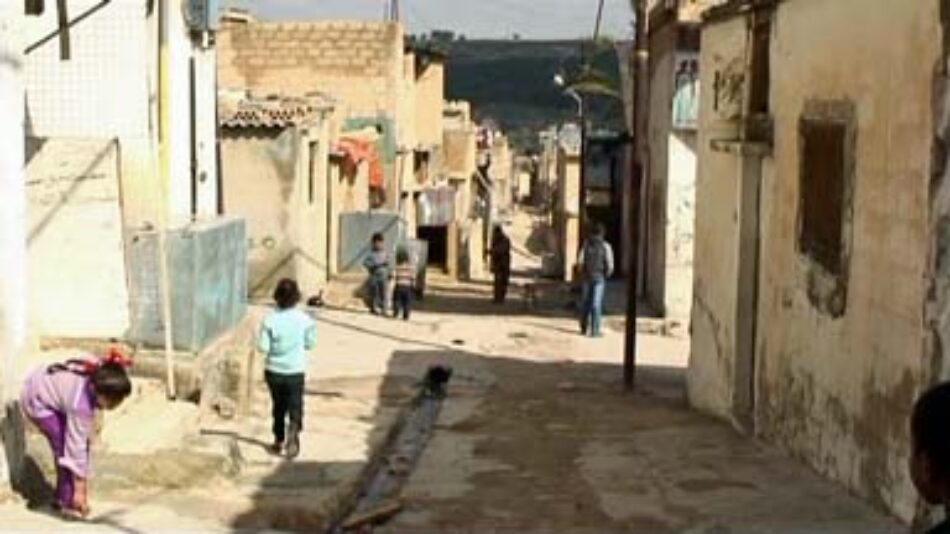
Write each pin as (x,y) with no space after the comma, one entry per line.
(535,436)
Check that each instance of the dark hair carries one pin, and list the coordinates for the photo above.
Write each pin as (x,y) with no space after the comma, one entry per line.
(402,255)
(112,382)
(598,229)
(378,238)
(930,430)
(287,294)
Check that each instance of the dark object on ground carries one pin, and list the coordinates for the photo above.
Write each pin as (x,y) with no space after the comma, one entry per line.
(316,301)
(436,380)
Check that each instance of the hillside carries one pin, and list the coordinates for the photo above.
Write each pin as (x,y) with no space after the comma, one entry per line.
(512,83)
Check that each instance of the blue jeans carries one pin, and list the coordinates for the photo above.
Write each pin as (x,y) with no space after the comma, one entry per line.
(402,301)
(592,305)
(377,295)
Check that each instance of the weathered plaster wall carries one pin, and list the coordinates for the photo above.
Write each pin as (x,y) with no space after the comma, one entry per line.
(262,185)
(75,217)
(568,210)
(662,47)
(839,392)
(186,54)
(710,375)
(430,98)
(680,223)
(671,186)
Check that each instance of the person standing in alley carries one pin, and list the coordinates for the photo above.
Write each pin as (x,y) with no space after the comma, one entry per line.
(596,265)
(930,449)
(377,265)
(500,254)
(284,338)
(62,400)
(405,280)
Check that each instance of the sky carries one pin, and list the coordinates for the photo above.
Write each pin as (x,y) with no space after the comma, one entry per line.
(531,19)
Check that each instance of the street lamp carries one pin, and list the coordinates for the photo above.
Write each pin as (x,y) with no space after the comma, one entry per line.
(582,117)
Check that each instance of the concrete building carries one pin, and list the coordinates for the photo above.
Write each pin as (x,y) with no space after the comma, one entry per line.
(669,190)
(377,81)
(275,158)
(820,302)
(362,65)
(461,225)
(567,210)
(120,138)
(13,272)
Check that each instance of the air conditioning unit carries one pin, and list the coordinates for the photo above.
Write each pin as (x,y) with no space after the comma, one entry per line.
(202,15)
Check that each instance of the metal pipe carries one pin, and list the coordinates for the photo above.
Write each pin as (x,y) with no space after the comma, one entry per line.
(164,185)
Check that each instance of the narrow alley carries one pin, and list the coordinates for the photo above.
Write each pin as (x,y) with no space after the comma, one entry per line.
(503,266)
(536,435)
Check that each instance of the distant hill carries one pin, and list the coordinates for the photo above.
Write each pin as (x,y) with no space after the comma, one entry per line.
(512,83)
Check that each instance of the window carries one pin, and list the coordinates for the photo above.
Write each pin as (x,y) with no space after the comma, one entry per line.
(823,190)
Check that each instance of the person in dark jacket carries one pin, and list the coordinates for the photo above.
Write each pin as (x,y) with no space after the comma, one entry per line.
(500,263)
(930,449)
(596,265)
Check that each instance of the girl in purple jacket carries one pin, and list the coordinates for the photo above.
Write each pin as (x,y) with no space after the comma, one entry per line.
(62,400)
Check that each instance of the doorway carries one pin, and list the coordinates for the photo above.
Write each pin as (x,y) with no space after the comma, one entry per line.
(437,239)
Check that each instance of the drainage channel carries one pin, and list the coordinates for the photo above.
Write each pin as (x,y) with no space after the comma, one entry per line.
(378,500)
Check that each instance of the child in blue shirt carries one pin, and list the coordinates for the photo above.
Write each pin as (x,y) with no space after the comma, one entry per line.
(285,337)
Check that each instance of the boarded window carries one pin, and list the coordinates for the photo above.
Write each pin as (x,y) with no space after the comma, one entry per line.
(823,190)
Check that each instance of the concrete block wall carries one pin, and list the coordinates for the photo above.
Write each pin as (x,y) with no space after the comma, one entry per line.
(359,63)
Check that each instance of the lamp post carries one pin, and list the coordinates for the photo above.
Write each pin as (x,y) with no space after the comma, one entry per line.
(582,117)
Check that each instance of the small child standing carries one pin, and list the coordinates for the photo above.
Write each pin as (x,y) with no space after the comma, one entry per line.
(377,264)
(285,337)
(62,401)
(405,276)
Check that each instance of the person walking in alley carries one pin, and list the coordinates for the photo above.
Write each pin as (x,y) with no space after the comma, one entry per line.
(62,401)
(405,277)
(377,265)
(500,254)
(284,338)
(596,265)
(930,449)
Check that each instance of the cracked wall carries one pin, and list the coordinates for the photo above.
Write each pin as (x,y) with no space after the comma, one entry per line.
(834,390)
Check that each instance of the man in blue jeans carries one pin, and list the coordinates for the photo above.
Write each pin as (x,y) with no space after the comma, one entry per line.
(596,262)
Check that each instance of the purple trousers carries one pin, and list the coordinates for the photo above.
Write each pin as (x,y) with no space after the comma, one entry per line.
(54,428)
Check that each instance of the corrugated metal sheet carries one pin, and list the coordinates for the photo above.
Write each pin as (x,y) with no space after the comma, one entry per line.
(356,230)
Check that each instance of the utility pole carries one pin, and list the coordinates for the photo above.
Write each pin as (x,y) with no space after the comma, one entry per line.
(641,102)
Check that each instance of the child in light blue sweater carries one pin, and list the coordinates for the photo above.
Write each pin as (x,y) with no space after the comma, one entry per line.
(285,337)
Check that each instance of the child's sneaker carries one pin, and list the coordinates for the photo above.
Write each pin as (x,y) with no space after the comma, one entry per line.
(275,449)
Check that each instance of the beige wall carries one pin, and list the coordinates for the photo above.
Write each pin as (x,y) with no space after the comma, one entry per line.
(430,98)
(715,261)
(267,182)
(359,63)
(836,392)
(568,210)
(74,184)
(670,188)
